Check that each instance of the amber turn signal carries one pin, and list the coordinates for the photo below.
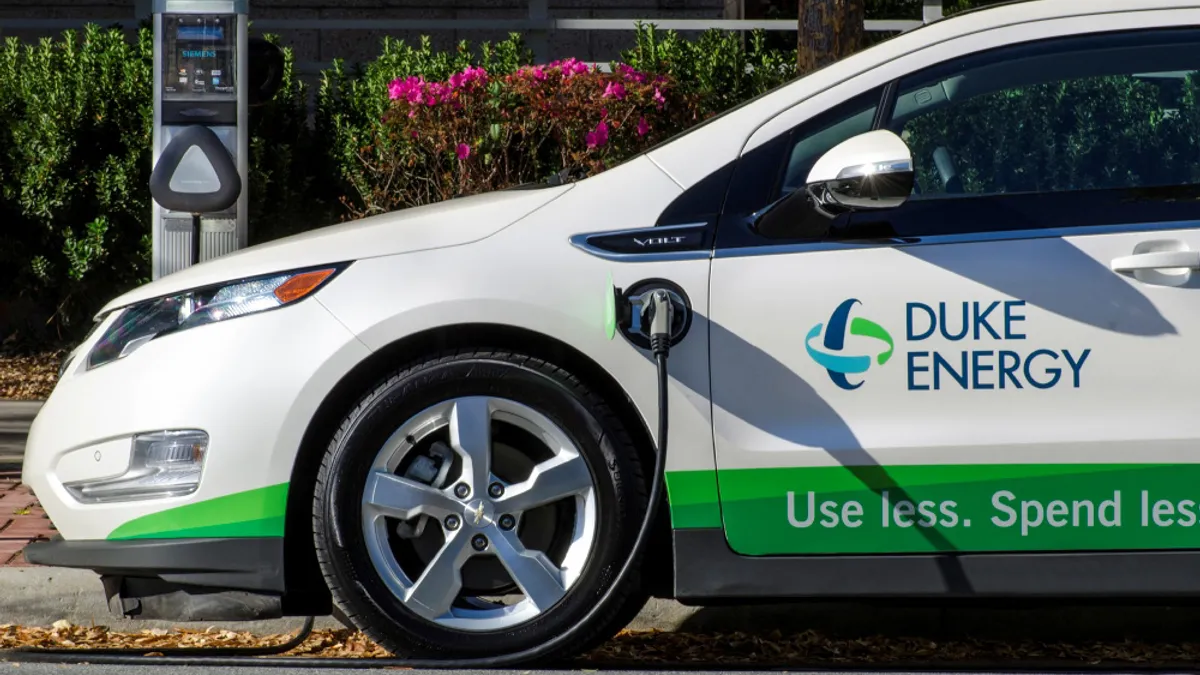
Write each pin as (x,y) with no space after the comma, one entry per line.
(301,285)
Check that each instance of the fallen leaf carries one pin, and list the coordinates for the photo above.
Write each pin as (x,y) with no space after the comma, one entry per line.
(29,377)
(715,650)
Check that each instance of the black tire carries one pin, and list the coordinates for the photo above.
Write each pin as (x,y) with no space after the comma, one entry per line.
(605,444)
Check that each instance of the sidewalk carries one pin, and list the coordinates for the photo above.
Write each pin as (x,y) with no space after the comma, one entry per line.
(22,520)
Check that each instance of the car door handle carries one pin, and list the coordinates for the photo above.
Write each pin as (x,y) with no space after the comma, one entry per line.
(1157,260)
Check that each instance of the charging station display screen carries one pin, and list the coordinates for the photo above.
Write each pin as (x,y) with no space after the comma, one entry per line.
(199,56)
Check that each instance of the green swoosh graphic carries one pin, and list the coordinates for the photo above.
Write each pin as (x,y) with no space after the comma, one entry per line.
(254,513)
(868,328)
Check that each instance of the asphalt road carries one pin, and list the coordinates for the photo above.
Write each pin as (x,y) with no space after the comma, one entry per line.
(50,669)
(54,669)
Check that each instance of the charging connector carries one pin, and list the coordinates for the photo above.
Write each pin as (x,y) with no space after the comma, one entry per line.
(633,311)
(661,317)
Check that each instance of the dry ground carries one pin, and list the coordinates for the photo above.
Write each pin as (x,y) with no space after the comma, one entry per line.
(29,377)
(810,648)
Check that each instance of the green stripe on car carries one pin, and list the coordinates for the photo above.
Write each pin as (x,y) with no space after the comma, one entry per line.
(254,513)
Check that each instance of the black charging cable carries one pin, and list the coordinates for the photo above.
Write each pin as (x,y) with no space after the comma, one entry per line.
(660,314)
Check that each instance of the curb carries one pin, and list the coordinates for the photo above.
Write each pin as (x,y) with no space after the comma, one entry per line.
(39,596)
(15,420)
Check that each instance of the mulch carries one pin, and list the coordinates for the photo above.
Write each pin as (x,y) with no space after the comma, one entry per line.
(29,377)
(807,649)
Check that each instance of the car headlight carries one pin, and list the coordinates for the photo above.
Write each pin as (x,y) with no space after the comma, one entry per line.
(145,321)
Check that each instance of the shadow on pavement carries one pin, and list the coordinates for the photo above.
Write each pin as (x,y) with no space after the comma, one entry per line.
(1050,622)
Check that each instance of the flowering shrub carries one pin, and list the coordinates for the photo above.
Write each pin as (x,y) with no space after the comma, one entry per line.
(477,132)
(356,155)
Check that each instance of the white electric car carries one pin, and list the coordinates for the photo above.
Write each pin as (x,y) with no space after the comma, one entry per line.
(935,318)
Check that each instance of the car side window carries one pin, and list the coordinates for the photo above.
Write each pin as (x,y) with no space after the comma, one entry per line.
(1078,131)
(1079,114)
(1070,132)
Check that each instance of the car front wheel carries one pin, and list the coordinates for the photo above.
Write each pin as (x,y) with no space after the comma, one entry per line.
(478,504)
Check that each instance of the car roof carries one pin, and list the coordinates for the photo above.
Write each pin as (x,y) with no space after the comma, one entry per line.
(1071,7)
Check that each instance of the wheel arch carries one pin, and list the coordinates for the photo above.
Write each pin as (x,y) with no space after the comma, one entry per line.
(302,575)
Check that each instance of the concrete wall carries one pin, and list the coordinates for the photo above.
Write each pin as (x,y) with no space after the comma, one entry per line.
(354,45)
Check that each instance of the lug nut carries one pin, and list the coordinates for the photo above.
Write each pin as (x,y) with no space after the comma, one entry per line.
(452,522)
(462,491)
(507,522)
(479,541)
(496,490)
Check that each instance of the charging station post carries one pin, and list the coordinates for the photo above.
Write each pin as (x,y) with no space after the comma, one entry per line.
(201,134)
(208,74)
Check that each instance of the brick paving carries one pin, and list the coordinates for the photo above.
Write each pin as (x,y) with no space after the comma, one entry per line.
(22,520)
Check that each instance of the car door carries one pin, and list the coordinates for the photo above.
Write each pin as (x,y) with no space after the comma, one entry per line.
(1006,361)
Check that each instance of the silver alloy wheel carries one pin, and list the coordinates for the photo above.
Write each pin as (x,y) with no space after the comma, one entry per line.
(436,593)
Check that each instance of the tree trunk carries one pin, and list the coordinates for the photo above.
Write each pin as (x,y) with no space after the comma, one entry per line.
(829,30)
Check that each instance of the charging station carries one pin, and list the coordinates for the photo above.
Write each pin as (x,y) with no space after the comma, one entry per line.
(208,74)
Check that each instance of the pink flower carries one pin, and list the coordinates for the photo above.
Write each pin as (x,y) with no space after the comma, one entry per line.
(598,137)
(658,98)
(642,127)
(408,88)
(615,90)
(463,151)
(539,74)
(476,74)
(436,93)
(467,76)
(630,73)
(570,66)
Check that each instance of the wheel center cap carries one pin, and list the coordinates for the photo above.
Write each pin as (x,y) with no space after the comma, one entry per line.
(478,513)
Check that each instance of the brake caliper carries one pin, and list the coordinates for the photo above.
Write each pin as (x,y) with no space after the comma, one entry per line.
(429,469)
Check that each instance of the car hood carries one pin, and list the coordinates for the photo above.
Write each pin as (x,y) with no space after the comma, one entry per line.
(449,223)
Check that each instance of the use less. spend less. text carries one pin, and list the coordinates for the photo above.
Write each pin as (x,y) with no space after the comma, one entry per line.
(808,510)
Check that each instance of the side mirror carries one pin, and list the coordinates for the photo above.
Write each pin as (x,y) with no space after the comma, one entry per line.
(867,172)
(266,70)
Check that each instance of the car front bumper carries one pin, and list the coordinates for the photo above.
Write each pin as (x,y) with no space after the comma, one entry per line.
(231,579)
(252,384)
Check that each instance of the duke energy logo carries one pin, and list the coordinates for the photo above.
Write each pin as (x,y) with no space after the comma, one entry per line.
(831,356)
